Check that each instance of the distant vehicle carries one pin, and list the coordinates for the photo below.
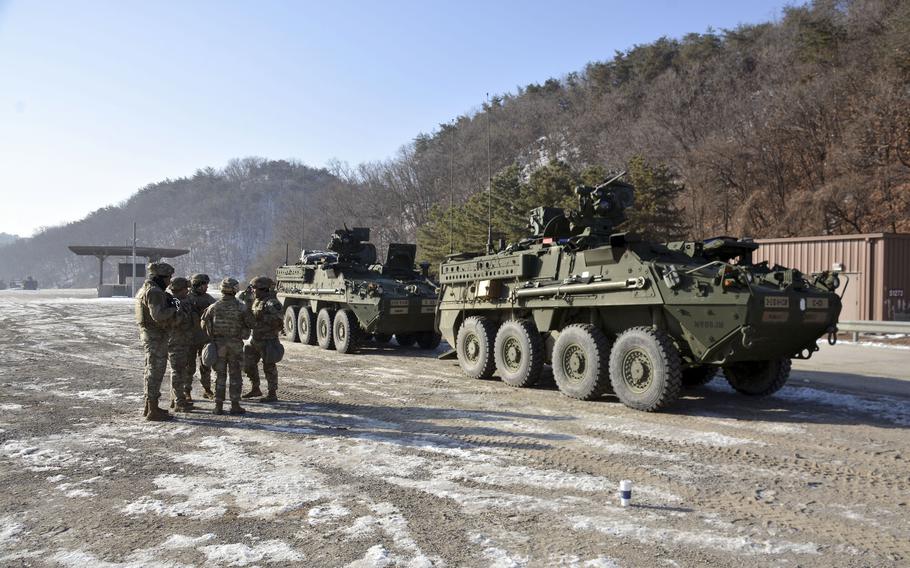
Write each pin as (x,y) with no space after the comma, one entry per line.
(341,297)
(29,284)
(613,312)
(3,285)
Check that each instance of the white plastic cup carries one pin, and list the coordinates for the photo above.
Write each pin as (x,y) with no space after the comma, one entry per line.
(625,492)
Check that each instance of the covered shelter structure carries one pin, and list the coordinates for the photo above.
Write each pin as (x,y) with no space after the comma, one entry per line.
(102,252)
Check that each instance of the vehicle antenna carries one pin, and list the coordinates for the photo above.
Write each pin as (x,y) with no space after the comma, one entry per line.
(452,191)
(287,248)
(489,176)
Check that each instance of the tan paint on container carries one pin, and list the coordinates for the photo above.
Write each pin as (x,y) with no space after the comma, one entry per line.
(877,265)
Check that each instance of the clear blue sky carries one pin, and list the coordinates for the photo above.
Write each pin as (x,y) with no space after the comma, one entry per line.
(99,98)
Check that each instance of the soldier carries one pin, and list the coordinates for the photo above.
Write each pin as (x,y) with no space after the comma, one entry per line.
(181,346)
(227,322)
(267,323)
(199,300)
(155,314)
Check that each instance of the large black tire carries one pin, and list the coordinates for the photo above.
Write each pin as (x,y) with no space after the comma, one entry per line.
(474,347)
(428,339)
(405,339)
(758,378)
(345,331)
(580,362)
(645,369)
(306,326)
(290,324)
(324,335)
(518,352)
(382,338)
(697,376)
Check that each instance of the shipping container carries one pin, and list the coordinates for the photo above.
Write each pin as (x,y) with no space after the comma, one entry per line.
(875,267)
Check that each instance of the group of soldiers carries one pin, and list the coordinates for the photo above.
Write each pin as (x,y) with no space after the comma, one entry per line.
(182,324)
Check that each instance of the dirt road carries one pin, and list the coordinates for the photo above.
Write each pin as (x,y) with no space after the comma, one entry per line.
(392,458)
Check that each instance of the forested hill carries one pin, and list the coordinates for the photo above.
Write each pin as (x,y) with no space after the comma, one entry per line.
(232,220)
(799,126)
(795,127)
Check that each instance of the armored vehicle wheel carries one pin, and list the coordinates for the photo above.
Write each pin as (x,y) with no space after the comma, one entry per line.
(758,378)
(345,331)
(698,376)
(324,335)
(518,353)
(428,339)
(580,362)
(306,326)
(474,347)
(290,324)
(645,369)
(405,339)
(382,337)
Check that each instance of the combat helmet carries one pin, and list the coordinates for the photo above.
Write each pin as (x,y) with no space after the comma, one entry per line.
(159,269)
(179,283)
(230,286)
(262,282)
(198,279)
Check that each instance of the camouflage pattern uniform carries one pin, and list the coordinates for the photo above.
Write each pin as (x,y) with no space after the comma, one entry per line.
(155,314)
(268,320)
(199,299)
(227,322)
(181,345)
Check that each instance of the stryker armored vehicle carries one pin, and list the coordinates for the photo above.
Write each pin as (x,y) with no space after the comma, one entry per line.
(340,297)
(610,311)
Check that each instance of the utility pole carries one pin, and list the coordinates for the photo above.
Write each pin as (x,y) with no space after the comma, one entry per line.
(133,279)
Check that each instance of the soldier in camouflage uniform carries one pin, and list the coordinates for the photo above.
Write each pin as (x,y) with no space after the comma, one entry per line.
(199,300)
(268,321)
(181,346)
(155,313)
(227,322)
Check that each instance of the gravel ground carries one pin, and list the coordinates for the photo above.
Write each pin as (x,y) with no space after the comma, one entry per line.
(391,457)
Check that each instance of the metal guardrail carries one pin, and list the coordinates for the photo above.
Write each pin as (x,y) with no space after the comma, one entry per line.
(857,327)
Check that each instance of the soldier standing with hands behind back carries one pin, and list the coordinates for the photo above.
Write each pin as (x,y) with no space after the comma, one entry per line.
(227,323)
(181,351)
(268,320)
(200,299)
(155,314)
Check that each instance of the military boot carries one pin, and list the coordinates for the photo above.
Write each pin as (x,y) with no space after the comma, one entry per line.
(271,397)
(157,414)
(189,396)
(145,410)
(207,392)
(219,407)
(184,406)
(254,391)
(236,408)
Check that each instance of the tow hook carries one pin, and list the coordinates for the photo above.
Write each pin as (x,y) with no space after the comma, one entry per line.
(747,337)
(832,335)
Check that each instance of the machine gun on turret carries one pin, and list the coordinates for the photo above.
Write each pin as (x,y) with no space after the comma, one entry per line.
(352,247)
(601,209)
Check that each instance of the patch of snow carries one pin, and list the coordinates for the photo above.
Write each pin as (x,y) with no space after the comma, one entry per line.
(9,528)
(702,539)
(327,513)
(376,557)
(672,433)
(180,541)
(241,554)
(10,406)
(498,557)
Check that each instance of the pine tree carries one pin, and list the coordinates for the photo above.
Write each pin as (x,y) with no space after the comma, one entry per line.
(655,215)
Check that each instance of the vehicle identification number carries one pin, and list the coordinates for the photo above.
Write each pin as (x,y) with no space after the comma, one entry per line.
(777,302)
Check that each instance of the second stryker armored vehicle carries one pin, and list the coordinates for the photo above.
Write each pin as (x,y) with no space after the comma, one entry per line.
(341,296)
(613,312)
